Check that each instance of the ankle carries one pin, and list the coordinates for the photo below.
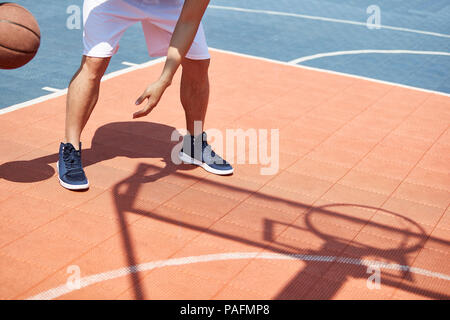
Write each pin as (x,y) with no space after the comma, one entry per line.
(76,145)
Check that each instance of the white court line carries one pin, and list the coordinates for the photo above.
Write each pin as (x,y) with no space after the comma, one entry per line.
(304,16)
(152,62)
(51,89)
(118,273)
(330,72)
(64,91)
(130,64)
(366,51)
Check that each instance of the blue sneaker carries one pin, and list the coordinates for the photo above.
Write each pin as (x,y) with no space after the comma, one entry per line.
(70,171)
(196,150)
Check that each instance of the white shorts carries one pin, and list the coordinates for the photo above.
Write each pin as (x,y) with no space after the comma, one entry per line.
(105,21)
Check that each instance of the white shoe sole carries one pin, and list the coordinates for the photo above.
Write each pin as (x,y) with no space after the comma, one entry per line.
(71,186)
(189,160)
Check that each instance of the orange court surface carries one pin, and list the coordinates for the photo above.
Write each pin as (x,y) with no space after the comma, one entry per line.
(363,187)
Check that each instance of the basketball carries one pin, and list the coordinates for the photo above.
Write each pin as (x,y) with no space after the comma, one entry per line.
(20,36)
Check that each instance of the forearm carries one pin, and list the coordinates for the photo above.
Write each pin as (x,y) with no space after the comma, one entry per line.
(179,46)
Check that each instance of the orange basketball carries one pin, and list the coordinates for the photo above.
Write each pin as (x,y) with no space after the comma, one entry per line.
(20,36)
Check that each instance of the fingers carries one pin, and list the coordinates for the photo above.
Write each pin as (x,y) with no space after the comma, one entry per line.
(141,98)
(145,111)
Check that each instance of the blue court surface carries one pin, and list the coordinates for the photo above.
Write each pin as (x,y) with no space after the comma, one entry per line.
(411,45)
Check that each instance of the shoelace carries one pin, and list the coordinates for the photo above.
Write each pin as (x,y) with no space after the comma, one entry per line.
(72,160)
(207,147)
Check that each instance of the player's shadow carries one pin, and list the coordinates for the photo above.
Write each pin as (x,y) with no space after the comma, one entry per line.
(133,139)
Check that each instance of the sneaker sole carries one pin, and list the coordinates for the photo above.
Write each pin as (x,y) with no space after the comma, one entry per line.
(189,160)
(71,186)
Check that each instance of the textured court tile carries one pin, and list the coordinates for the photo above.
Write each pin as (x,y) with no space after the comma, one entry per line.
(413,212)
(224,269)
(175,222)
(439,240)
(318,169)
(333,110)
(419,286)
(290,110)
(308,134)
(227,237)
(354,196)
(155,191)
(54,123)
(175,283)
(26,171)
(116,206)
(144,244)
(346,290)
(370,182)
(10,231)
(106,290)
(31,212)
(45,249)
(334,156)
(104,177)
(378,247)
(353,215)
(305,184)
(251,172)
(407,291)
(84,227)
(440,150)
(282,199)
(235,237)
(10,150)
(33,136)
(350,144)
(433,260)
(392,153)
(422,128)
(435,162)
(233,187)
(311,234)
(269,221)
(402,232)
(323,122)
(130,247)
(232,292)
(370,135)
(369,89)
(200,202)
(52,191)
(31,115)
(360,272)
(423,194)
(17,276)
(7,126)
(376,164)
(404,142)
(375,119)
(262,278)
(445,220)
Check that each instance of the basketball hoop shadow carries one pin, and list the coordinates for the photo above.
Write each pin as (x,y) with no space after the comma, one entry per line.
(124,194)
(413,238)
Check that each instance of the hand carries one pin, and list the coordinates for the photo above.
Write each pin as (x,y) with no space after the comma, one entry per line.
(153,93)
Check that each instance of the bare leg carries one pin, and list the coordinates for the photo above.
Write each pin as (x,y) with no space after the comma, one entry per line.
(194,92)
(82,96)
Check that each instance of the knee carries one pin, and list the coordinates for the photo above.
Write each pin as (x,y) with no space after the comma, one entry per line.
(94,68)
(196,70)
